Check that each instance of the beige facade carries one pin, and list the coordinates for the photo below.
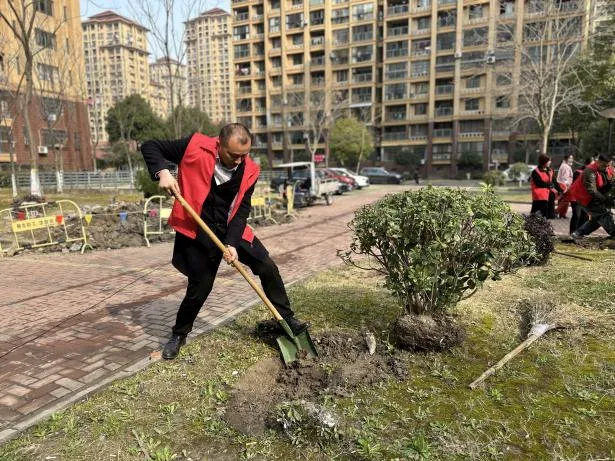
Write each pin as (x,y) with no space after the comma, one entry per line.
(116,65)
(209,72)
(434,78)
(172,76)
(58,110)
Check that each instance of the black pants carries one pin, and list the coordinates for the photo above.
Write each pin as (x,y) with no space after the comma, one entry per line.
(199,289)
(540,207)
(578,218)
(600,216)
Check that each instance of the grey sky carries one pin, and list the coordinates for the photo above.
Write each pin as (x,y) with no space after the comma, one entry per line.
(92,7)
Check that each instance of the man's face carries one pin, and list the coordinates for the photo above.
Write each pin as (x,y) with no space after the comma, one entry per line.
(234,152)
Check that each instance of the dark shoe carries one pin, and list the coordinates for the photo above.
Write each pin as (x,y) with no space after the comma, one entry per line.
(172,347)
(297,326)
(576,236)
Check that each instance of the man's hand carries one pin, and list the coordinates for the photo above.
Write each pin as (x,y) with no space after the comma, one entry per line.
(168,182)
(230,254)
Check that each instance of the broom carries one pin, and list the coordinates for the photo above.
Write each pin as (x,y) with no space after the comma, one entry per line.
(538,318)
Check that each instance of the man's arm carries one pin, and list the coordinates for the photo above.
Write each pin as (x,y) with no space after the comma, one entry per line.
(238,223)
(158,154)
(589,181)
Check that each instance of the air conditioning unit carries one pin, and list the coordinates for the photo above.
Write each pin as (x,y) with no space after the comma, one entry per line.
(43,150)
(490,59)
(52,118)
(458,54)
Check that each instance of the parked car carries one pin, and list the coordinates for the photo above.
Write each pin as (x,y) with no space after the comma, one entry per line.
(346,183)
(361,181)
(310,185)
(379,175)
(524,177)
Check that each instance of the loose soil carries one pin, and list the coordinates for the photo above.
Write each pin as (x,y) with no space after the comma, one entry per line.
(424,333)
(344,364)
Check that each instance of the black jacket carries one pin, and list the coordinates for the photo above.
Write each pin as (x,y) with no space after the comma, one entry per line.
(193,257)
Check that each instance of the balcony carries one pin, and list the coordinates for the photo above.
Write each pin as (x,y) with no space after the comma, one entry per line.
(257,17)
(419,73)
(444,111)
(317,41)
(295,7)
(318,81)
(242,54)
(396,10)
(316,3)
(240,37)
(397,53)
(472,21)
(339,19)
(419,95)
(319,61)
(360,37)
(417,137)
(397,31)
(244,90)
(360,78)
(480,89)
(366,57)
(338,61)
(444,89)
(244,109)
(421,31)
(446,24)
(395,95)
(471,134)
(361,98)
(396,75)
(446,2)
(395,136)
(341,41)
(241,17)
(417,52)
(441,157)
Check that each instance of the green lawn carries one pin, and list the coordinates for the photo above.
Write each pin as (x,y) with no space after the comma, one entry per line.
(85,197)
(554,401)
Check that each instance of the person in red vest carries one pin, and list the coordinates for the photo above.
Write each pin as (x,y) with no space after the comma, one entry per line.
(543,188)
(579,217)
(591,191)
(216,177)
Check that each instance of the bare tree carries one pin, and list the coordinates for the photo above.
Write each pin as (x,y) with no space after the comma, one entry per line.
(167,38)
(9,111)
(23,19)
(549,49)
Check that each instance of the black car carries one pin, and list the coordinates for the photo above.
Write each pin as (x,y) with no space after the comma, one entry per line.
(379,175)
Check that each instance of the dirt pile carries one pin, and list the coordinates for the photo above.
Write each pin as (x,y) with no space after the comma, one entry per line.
(344,364)
(425,333)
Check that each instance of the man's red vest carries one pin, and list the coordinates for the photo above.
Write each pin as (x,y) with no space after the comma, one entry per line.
(541,193)
(578,190)
(194,176)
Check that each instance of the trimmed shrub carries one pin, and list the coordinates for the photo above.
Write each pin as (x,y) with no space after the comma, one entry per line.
(494,178)
(146,185)
(436,246)
(541,232)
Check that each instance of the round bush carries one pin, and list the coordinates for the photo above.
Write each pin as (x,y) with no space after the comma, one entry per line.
(436,246)
(494,178)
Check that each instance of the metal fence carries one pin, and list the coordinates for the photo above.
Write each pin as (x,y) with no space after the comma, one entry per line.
(81,180)
(102,180)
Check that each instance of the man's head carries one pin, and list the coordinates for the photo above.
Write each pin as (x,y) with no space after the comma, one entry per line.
(235,143)
(603,161)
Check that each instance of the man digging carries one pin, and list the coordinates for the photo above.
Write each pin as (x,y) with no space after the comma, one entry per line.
(217,177)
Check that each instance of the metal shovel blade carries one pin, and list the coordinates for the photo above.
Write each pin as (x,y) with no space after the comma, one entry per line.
(295,347)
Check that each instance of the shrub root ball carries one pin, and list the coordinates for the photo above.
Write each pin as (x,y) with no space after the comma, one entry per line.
(425,333)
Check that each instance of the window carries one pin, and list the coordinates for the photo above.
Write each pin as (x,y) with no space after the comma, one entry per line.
(472,126)
(340,37)
(472,104)
(5,138)
(502,102)
(341,76)
(294,21)
(504,79)
(339,16)
(4,104)
(45,39)
(423,23)
(446,41)
(420,68)
(473,82)
(317,18)
(274,24)
(44,6)
(476,37)
(297,39)
(51,138)
(420,109)
(77,140)
(47,73)
(475,11)
(363,12)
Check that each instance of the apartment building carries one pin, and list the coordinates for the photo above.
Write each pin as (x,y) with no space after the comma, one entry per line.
(58,111)
(116,66)
(434,78)
(171,74)
(209,73)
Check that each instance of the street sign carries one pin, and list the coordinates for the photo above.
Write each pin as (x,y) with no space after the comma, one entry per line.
(319,158)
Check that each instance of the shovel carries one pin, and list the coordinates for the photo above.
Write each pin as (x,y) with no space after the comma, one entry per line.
(292,346)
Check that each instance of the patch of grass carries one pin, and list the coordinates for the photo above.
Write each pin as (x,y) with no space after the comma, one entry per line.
(554,401)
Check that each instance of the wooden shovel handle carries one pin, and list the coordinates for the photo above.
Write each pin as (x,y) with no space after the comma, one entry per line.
(219,244)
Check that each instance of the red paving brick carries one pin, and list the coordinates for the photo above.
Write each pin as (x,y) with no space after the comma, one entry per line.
(76,320)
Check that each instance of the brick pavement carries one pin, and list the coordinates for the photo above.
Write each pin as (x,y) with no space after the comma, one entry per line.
(73,323)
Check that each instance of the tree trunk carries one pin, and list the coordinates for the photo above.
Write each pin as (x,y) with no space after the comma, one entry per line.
(132,186)
(13,168)
(361,150)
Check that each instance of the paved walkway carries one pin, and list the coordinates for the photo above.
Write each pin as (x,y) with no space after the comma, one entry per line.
(72,323)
